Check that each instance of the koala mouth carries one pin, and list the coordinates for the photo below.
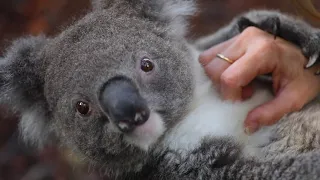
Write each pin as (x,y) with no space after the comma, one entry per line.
(146,135)
(128,111)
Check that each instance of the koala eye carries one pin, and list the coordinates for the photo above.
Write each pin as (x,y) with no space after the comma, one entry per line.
(146,64)
(83,108)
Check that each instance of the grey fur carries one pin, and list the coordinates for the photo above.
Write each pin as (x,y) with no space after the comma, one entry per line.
(44,78)
(293,153)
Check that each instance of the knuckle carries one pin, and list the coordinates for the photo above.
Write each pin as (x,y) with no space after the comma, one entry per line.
(228,80)
(264,40)
(296,105)
(251,31)
(215,69)
(267,45)
(215,77)
(266,49)
(213,72)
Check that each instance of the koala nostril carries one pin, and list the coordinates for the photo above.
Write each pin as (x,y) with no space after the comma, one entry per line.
(128,125)
(141,117)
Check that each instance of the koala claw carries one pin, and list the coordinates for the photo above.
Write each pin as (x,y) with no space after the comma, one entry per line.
(312,60)
(307,40)
(312,51)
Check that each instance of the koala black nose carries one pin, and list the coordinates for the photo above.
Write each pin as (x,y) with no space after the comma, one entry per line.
(124,104)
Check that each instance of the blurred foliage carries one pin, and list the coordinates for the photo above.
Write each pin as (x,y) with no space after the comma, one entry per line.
(22,17)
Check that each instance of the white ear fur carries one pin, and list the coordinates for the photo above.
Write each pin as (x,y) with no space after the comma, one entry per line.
(176,12)
(34,128)
(95,4)
(98,4)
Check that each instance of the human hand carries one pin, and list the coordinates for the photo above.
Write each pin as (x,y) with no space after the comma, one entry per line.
(256,52)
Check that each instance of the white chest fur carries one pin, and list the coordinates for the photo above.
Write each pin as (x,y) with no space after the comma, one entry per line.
(211,116)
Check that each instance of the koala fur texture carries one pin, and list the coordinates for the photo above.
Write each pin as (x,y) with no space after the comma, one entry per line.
(123,89)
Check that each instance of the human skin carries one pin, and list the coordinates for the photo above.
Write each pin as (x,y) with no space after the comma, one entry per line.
(256,52)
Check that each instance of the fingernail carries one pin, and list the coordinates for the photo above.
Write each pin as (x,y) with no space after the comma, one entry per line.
(251,127)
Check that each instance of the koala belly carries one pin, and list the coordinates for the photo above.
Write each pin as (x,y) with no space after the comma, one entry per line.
(209,117)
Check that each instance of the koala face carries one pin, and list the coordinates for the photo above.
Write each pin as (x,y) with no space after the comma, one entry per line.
(108,87)
(112,92)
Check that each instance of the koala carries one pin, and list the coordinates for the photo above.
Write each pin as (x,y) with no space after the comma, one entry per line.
(122,88)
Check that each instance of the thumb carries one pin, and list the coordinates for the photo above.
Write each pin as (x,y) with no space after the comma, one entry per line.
(288,100)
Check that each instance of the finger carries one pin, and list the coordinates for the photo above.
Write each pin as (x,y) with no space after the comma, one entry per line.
(244,92)
(274,110)
(247,92)
(231,88)
(208,55)
(231,93)
(243,71)
(217,66)
(248,67)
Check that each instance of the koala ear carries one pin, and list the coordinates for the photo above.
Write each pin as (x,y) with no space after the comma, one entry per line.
(174,13)
(21,86)
(105,4)
(97,4)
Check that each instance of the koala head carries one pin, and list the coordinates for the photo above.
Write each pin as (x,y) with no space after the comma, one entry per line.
(108,86)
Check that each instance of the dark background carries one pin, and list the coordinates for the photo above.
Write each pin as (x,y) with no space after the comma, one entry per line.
(24,17)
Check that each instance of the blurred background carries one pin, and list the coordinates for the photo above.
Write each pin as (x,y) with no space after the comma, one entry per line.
(25,17)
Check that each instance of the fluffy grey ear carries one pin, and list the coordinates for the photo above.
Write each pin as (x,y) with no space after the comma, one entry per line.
(105,4)
(21,86)
(174,13)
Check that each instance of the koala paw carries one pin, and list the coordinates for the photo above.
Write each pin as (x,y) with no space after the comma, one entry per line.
(297,32)
(312,51)
(270,25)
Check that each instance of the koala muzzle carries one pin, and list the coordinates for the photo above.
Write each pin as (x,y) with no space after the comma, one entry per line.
(126,108)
